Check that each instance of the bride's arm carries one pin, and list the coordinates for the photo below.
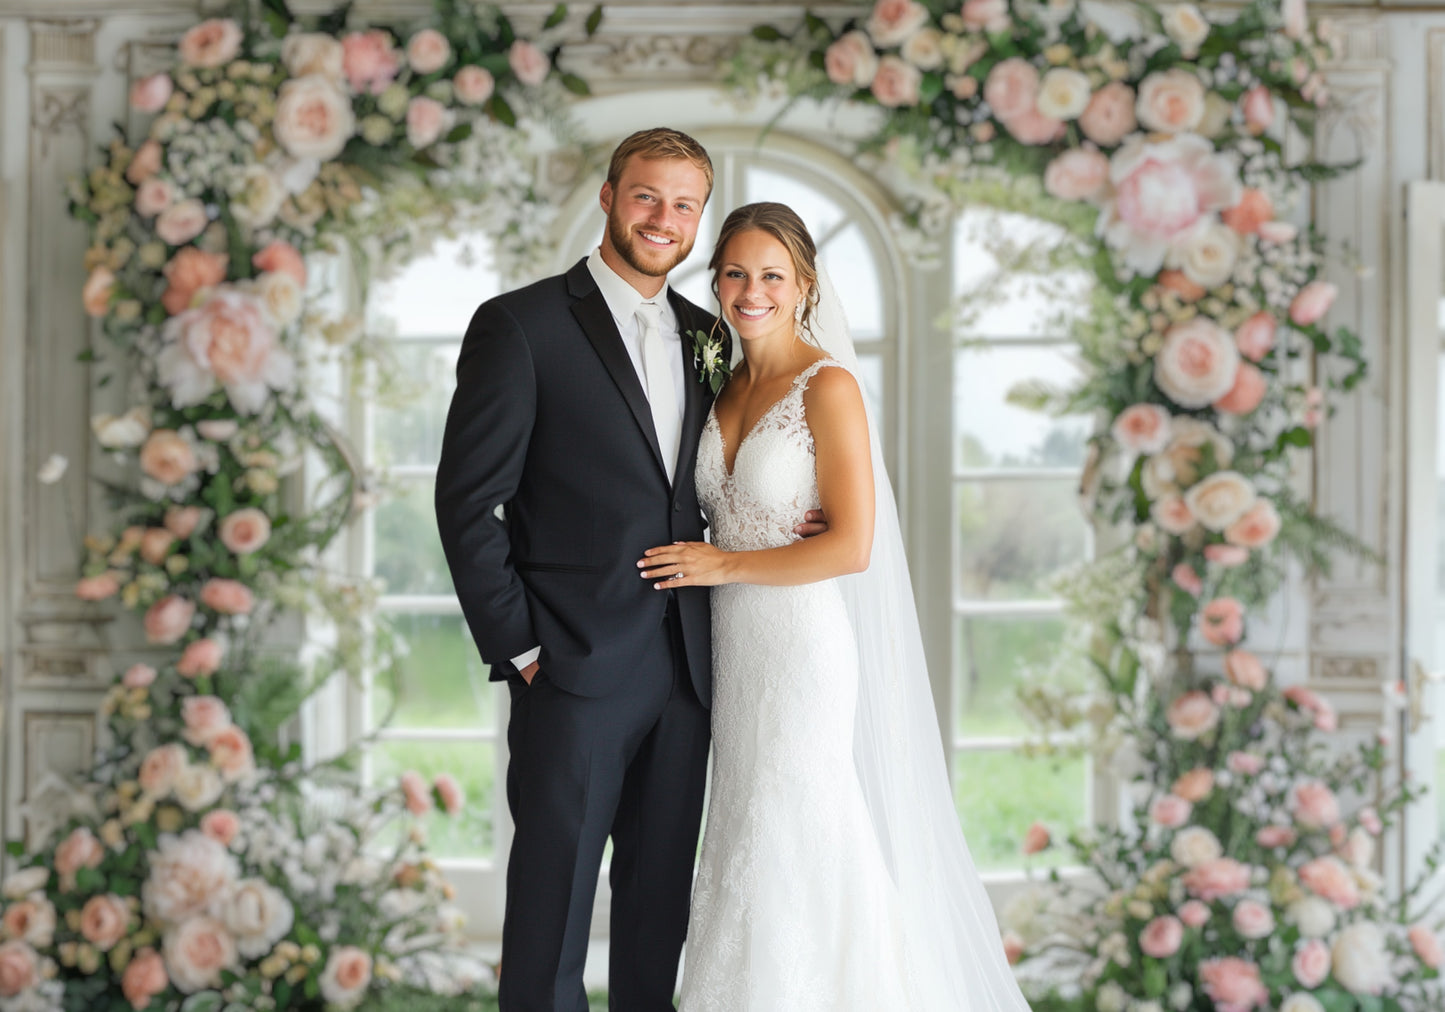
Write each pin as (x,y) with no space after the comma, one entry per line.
(839,424)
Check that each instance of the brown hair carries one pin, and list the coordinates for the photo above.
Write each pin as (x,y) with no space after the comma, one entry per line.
(782,223)
(660,142)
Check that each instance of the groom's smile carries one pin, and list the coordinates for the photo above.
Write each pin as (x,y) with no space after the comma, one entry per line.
(653,214)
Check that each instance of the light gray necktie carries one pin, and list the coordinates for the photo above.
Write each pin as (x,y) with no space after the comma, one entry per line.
(661,388)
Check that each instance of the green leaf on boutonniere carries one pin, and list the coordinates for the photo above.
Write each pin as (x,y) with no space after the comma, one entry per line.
(708,348)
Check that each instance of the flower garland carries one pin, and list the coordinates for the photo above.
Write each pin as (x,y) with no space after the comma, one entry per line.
(1246,882)
(200,866)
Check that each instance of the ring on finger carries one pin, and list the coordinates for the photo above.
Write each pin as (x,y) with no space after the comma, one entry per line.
(675,576)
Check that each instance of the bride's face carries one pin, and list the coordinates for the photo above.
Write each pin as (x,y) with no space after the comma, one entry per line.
(758,287)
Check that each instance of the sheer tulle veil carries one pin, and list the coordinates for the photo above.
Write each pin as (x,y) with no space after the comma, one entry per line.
(952,949)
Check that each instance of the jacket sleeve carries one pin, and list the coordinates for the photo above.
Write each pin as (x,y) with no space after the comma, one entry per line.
(488,428)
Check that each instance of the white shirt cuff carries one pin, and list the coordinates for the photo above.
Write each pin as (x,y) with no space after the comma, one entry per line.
(522,660)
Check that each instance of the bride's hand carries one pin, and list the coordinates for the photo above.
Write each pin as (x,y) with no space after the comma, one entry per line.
(684,564)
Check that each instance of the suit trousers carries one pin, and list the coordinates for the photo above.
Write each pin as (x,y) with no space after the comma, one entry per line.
(631,765)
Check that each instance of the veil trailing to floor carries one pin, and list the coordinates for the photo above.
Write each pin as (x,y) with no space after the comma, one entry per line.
(952,949)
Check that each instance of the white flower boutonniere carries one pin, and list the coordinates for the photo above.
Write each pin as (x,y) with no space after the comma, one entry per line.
(713,367)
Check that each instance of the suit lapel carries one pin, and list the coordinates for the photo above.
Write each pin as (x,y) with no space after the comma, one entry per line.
(696,398)
(597,323)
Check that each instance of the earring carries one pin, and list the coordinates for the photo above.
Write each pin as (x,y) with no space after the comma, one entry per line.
(798,312)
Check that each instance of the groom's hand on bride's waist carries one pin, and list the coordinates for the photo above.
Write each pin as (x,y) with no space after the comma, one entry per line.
(529,672)
(813,523)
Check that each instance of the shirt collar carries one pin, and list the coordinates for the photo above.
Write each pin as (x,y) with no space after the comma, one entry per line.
(621,298)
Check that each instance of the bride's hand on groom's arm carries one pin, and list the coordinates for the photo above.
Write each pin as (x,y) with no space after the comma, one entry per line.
(685,564)
(814,522)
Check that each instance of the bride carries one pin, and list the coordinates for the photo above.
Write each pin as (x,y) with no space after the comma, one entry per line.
(833,875)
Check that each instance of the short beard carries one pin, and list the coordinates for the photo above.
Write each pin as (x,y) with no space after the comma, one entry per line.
(626,246)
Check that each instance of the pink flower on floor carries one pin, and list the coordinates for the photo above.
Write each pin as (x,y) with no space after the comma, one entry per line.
(1077,174)
(1257,527)
(1222,621)
(428,51)
(346,977)
(204,717)
(416,793)
(1036,839)
(474,85)
(1161,937)
(1173,514)
(426,118)
(897,83)
(231,753)
(168,457)
(1234,984)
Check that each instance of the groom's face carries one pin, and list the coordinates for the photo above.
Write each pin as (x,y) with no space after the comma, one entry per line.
(653,213)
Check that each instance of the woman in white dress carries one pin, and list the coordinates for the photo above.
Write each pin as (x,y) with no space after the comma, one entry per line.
(834,875)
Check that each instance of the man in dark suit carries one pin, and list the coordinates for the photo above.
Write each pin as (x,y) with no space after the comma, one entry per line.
(578,410)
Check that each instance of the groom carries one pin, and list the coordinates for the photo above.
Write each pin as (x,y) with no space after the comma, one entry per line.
(577,411)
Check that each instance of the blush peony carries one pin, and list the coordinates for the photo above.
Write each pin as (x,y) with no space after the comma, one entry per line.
(1246,394)
(314,119)
(1077,174)
(1196,364)
(1109,116)
(1256,527)
(1328,878)
(528,62)
(1192,715)
(1161,937)
(227,340)
(369,61)
(211,43)
(144,978)
(346,976)
(851,60)
(897,83)
(196,952)
(191,875)
(168,619)
(1233,984)
(1222,622)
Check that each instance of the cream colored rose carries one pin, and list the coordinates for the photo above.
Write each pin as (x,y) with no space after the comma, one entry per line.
(1063,94)
(313,118)
(428,51)
(1217,112)
(1170,101)
(1195,846)
(280,297)
(19,968)
(104,921)
(306,53)
(893,21)
(1207,257)
(1196,365)
(1187,27)
(1220,499)
(24,882)
(127,431)
(1361,962)
(197,787)
(257,916)
(1314,916)
(196,952)
(924,49)
(1301,1002)
(258,197)
(32,921)
(190,875)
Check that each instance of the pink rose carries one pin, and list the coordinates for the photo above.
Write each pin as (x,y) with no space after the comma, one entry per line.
(1170,101)
(201,657)
(104,921)
(144,978)
(1216,879)
(1077,174)
(1370,819)
(1233,984)
(138,676)
(1315,805)
(1109,116)
(426,118)
(196,952)
(1227,556)
(245,531)
(1246,393)
(230,340)
(528,62)
(1161,937)
(893,21)
(1245,670)
(896,84)
(1178,282)
(1192,715)
(1311,963)
(232,754)
(1187,579)
(1034,128)
(1258,106)
(221,825)
(428,51)
(314,118)
(183,520)
(473,85)
(1142,428)
(986,15)
(1170,811)
(158,770)
(1278,232)
(1426,945)
(155,545)
(1222,622)
(851,60)
(279,256)
(369,60)
(190,271)
(168,619)
(95,295)
(1194,914)
(204,717)
(1256,528)
(1328,878)
(1011,88)
(1197,363)
(1255,336)
(1173,514)
(1036,839)
(416,793)
(145,163)
(449,793)
(78,850)
(1013,947)
(1252,211)
(211,43)
(19,968)
(229,597)
(1309,702)
(1195,785)
(1268,837)
(182,222)
(97,588)
(1253,919)
(150,94)
(154,195)
(346,977)
(1312,303)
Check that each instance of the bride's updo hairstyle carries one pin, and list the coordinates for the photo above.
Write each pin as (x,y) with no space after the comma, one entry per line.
(782,223)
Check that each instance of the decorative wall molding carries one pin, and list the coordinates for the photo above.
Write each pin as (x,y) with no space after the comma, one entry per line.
(60,742)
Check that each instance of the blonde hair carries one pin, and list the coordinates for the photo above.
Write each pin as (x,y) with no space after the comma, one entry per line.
(782,223)
(660,142)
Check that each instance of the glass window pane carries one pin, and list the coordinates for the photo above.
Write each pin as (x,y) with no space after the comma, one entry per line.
(850,264)
(691,277)
(1013,535)
(440,681)
(990,657)
(819,213)
(1000,794)
(436,294)
(409,553)
(1015,303)
(989,432)
(469,833)
(870,369)
(411,433)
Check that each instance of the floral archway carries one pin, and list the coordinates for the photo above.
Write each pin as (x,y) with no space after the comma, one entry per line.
(199,867)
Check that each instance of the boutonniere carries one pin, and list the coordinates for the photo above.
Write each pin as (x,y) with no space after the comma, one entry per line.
(713,368)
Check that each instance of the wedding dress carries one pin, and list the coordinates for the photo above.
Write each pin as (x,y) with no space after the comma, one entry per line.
(833,874)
